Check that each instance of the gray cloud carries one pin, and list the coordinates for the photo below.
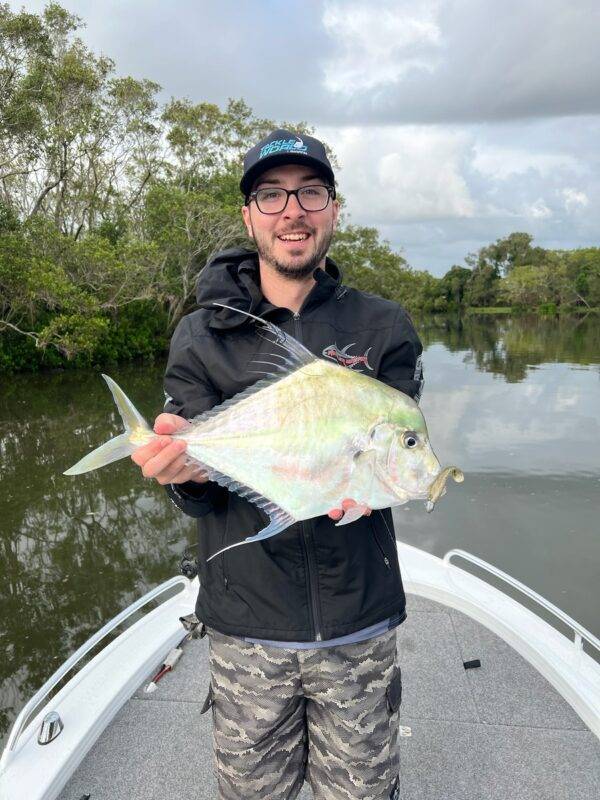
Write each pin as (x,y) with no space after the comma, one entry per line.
(209,51)
(439,192)
(467,61)
(361,62)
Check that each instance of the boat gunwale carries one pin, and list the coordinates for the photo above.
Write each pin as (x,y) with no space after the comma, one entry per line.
(571,671)
(61,756)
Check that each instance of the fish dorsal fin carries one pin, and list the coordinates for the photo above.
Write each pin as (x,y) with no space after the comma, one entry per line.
(293,356)
(232,401)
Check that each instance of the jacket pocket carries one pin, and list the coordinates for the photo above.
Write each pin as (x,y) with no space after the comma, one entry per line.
(243,519)
(394,691)
(384,555)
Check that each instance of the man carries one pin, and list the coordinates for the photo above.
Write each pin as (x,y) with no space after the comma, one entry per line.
(302,640)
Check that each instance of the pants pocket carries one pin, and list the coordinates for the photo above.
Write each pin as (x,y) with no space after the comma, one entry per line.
(394,691)
(208,702)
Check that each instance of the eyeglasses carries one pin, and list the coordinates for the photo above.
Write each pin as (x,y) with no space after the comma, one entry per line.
(274,200)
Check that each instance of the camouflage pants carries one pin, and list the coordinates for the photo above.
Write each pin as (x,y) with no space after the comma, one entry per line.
(329,714)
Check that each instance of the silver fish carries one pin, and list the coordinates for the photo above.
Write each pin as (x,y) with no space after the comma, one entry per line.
(299,441)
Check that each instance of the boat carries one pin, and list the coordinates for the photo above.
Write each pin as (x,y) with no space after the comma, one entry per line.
(500,698)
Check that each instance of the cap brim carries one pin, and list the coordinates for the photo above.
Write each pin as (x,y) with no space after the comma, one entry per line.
(278,159)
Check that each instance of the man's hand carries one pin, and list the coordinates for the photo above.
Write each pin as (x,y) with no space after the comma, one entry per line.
(165,458)
(338,513)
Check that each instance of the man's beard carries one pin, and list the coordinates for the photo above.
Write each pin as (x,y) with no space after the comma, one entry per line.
(299,270)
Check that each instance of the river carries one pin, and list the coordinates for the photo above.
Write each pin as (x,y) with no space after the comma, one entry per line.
(513,401)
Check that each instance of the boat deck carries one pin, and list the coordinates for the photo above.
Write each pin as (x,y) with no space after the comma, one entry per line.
(495,732)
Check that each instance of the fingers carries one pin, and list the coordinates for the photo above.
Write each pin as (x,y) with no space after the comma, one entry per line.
(161,459)
(148,451)
(170,423)
(338,513)
(347,503)
(177,471)
(165,459)
(190,473)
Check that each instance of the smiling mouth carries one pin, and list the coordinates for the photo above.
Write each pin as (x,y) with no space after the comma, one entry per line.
(293,238)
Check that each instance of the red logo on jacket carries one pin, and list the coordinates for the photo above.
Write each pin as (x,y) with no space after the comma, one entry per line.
(344,358)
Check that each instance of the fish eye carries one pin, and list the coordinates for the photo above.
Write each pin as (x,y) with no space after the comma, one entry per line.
(410,439)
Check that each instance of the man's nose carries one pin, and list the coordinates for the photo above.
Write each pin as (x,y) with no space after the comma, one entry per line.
(293,208)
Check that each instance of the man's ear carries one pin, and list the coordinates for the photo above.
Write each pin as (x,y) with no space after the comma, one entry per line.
(336,213)
(247,222)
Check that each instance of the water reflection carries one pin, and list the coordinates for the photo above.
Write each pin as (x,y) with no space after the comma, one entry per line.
(77,550)
(512,346)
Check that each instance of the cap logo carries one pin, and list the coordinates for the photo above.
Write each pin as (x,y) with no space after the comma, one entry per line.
(283,146)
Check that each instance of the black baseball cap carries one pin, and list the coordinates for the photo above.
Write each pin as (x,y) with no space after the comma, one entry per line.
(284,147)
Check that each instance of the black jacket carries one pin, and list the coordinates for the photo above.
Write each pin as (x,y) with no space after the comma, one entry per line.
(313,581)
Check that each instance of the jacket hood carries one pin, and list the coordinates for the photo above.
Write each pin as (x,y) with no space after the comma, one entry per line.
(232,277)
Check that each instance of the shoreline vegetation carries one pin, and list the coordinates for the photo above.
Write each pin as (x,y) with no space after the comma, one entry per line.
(575,310)
(111,204)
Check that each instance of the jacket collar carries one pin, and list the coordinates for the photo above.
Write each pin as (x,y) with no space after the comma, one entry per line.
(232,278)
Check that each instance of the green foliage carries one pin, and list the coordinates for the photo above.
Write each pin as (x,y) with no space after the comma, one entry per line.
(582,273)
(372,266)
(513,251)
(482,286)
(453,286)
(527,286)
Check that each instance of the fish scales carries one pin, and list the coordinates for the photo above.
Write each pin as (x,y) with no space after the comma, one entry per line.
(292,441)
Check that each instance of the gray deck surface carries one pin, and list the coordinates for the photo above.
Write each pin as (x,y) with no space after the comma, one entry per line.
(497,732)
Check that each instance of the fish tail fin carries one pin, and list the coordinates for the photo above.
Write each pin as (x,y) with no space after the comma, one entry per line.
(120,446)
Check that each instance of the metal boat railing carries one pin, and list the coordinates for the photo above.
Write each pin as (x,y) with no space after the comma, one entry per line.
(579,632)
(53,680)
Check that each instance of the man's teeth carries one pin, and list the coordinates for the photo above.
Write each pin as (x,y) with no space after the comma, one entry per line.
(293,237)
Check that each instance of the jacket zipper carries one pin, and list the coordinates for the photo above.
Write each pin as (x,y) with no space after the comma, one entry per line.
(306,528)
(381,550)
(311,572)
(392,537)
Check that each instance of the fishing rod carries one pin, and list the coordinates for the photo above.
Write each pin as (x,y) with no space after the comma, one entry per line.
(169,663)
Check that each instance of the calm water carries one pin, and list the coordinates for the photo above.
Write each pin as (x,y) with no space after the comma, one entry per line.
(514,402)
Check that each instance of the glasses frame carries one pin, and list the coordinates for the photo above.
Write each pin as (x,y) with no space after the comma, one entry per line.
(330,196)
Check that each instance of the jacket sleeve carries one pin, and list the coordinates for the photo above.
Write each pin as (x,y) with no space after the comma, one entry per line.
(401,365)
(189,392)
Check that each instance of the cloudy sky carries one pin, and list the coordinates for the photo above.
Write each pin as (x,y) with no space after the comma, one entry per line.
(455,121)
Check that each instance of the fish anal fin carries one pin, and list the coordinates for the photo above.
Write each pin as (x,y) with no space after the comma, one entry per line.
(279,517)
(279,521)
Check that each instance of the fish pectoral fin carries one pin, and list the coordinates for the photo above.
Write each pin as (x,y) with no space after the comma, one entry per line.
(352,514)
(364,462)
(360,485)
(364,469)
(279,522)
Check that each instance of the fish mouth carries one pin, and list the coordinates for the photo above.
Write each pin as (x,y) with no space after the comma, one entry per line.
(437,487)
